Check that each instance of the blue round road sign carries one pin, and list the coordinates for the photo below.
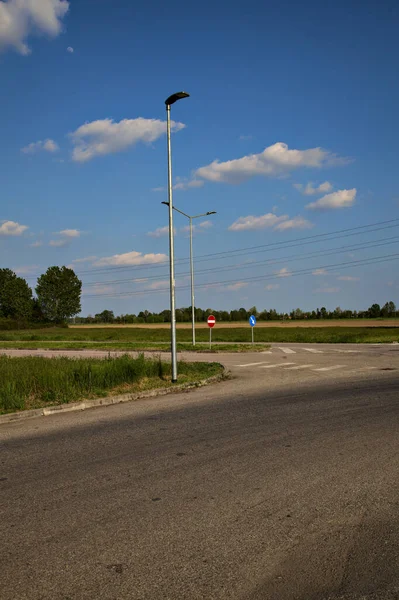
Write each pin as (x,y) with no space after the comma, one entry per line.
(252,321)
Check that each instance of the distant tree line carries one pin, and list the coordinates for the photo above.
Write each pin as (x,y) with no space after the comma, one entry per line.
(183,315)
(58,295)
(57,298)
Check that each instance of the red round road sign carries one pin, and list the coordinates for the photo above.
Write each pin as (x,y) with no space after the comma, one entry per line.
(211,321)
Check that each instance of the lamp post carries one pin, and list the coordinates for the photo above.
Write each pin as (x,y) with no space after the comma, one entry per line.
(168,102)
(190,218)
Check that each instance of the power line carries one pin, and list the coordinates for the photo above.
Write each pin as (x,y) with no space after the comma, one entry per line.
(328,268)
(290,244)
(289,258)
(243,252)
(302,241)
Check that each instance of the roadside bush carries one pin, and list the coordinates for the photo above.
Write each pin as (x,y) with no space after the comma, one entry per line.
(16,324)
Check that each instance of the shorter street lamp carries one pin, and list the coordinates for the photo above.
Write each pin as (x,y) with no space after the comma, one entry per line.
(190,218)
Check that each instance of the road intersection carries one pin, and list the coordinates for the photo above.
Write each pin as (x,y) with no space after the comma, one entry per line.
(279,483)
(281,363)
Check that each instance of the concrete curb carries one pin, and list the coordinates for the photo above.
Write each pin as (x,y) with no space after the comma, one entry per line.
(109,400)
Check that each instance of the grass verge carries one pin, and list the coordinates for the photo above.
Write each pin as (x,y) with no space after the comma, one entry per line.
(135,346)
(149,336)
(35,382)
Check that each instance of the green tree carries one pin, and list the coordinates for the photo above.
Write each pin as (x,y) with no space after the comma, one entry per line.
(389,309)
(374,311)
(243,314)
(37,313)
(6,278)
(337,313)
(165,314)
(106,316)
(15,296)
(58,293)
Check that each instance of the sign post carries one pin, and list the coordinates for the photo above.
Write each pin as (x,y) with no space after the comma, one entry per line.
(211,323)
(252,322)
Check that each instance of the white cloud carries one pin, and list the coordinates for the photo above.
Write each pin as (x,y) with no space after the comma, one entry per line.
(41,146)
(236,286)
(197,228)
(101,290)
(159,285)
(270,220)
(261,222)
(58,243)
(106,137)
(12,228)
(309,190)
(70,233)
(339,199)
(181,184)
(21,18)
(184,184)
(70,50)
(27,270)
(67,235)
(327,290)
(319,272)
(295,223)
(84,259)
(159,232)
(206,224)
(130,259)
(284,272)
(272,286)
(36,244)
(274,161)
(348,278)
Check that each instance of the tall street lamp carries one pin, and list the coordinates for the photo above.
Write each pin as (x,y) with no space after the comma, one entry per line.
(168,102)
(212,212)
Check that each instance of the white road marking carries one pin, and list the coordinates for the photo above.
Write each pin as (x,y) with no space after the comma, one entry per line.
(287,351)
(345,351)
(252,364)
(313,350)
(266,352)
(299,367)
(361,370)
(277,365)
(332,368)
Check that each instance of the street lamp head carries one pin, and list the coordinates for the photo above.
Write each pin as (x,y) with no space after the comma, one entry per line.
(175,97)
(212,212)
(166,203)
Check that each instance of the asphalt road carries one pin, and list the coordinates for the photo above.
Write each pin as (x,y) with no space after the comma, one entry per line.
(251,489)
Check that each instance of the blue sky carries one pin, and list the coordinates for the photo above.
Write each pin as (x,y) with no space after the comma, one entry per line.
(289,133)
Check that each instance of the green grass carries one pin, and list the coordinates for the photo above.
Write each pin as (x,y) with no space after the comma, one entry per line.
(136,346)
(149,336)
(35,382)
